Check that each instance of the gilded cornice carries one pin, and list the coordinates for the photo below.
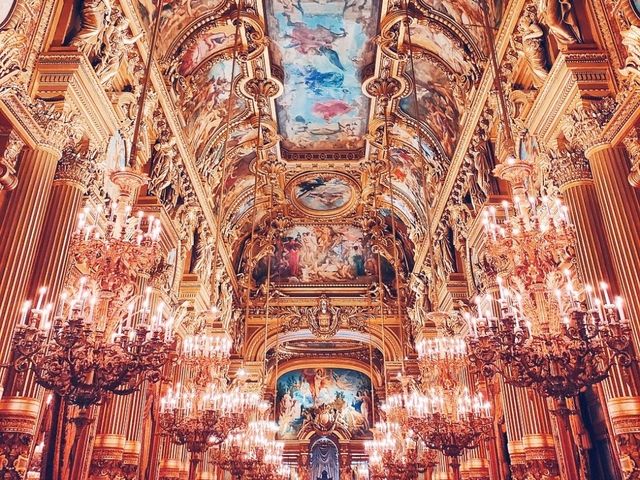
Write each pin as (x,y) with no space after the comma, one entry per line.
(573,74)
(65,72)
(476,109)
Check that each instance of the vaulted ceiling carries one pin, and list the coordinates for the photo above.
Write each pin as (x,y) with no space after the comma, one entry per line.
(322,118)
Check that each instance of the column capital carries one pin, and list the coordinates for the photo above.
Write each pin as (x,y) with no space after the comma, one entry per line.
(584,124)
(75,167)
(569,167)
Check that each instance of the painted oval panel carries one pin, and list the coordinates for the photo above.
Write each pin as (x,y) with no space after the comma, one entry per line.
(323,193)
(6,8)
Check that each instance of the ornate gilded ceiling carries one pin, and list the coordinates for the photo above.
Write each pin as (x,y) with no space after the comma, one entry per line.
(324,74)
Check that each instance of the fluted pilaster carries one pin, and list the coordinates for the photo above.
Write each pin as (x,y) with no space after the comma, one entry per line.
(620,204)
(20,233)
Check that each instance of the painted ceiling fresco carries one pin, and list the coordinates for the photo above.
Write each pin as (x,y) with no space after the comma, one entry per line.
(205,101)
(437,105)
(322,46)
(176,16)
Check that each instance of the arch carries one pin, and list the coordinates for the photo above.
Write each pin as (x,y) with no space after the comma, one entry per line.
(255,345)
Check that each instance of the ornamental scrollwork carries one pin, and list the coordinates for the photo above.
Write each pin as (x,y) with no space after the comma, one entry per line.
(323,319)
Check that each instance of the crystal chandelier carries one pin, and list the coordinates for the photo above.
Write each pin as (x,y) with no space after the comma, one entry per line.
(128,247)
(253,453)
(396,454)
(449,421)
(547,332)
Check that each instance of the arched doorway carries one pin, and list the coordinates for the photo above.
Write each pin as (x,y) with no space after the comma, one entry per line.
(324,460)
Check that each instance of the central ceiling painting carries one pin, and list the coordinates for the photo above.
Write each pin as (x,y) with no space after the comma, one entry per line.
(322,46)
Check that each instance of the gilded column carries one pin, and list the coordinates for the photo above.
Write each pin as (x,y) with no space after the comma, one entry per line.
(512,412)
(620,204)
(20,232)
(573,176)
(69,184)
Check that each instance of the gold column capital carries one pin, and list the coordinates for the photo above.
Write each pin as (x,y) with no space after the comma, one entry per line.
(583,126)
(75,168)
(570,167)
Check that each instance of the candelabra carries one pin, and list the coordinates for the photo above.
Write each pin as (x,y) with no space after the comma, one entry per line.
(207,354)
(548,333)
(201,417)
(441,359)
(395,454)
(71,355)
(449,421)
(253,453)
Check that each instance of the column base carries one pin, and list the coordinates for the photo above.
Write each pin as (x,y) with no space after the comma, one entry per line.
(625,420)
(18,422)
(106,460)
(540,457)
(518,460)
(170,469)
(475,469)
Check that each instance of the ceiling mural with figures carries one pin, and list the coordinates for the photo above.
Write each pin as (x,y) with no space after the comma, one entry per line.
(322,48)
(314,62)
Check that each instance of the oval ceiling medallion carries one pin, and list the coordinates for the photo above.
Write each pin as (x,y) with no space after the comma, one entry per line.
(6,9)
(323,193)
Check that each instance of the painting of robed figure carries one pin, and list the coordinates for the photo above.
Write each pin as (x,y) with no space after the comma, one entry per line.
(324,400)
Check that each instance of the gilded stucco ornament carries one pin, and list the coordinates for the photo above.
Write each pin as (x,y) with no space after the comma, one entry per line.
(8,178)
(632,144)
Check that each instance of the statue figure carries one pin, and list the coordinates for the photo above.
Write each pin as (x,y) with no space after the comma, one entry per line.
(532,47)
(116,45)
(95,16)
(631,39)
(164,172)
(204,255)
(560,17)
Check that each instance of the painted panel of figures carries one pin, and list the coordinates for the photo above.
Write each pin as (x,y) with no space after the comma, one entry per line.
(322,399)
(322,46)
(323,254)
(205,105)
(207,44)
(436,104)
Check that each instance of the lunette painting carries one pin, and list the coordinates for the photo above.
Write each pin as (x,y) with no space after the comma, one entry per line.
(321,254)
(323,398)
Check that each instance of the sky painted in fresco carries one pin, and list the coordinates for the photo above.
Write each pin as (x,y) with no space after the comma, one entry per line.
(322,45)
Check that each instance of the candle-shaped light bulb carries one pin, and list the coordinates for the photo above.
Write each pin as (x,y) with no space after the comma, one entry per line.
(41,293)
(605,290)
(619,303)
(26,306)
